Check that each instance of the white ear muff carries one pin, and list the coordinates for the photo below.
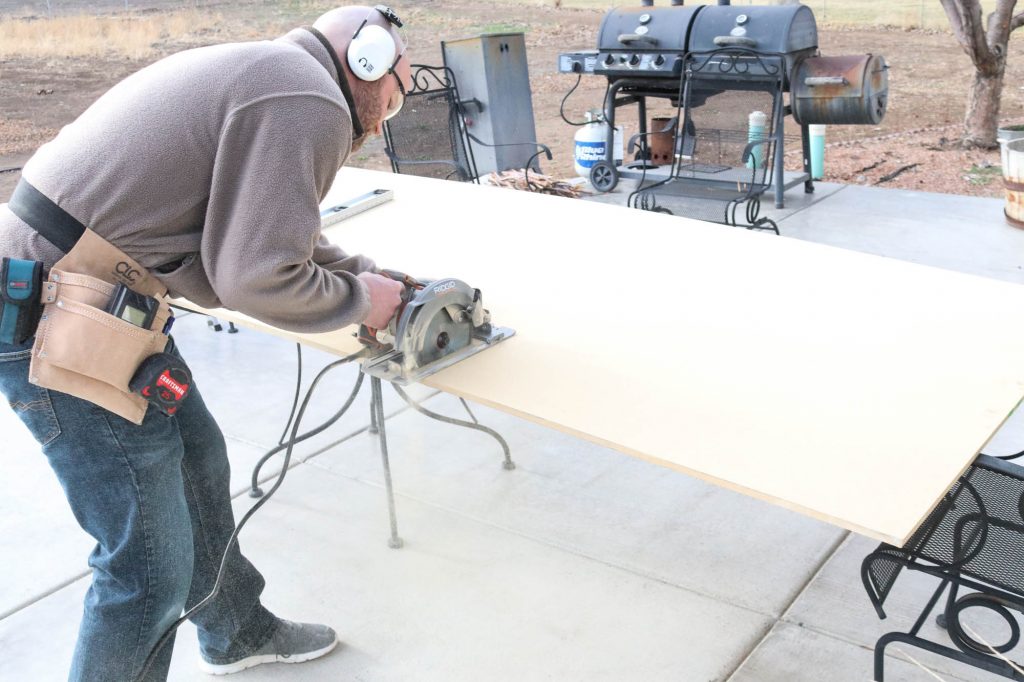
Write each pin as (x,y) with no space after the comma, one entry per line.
(371,53)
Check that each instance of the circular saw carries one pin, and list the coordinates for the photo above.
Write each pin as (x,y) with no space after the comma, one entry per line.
(439,323)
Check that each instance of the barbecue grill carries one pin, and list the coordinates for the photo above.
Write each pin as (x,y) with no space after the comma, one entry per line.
(645,52)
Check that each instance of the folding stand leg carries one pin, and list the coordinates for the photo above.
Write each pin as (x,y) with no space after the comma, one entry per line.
(507,464)
(469,411)
(377,416)
(373,430)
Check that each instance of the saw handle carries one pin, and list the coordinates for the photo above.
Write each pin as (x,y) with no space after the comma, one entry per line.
(368,335)
(405,279)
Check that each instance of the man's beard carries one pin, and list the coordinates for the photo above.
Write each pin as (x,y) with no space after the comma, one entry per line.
(368,111)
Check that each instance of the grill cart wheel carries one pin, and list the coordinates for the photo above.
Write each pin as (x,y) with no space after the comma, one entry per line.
(603,176)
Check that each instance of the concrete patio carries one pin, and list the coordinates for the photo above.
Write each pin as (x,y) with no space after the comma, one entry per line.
(582,564)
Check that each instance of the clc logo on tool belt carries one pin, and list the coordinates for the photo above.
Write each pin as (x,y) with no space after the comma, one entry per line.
(125,271)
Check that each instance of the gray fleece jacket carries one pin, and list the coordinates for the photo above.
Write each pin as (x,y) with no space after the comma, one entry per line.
(218,156)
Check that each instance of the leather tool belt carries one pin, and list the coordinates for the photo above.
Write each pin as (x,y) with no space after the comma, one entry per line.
(81,349)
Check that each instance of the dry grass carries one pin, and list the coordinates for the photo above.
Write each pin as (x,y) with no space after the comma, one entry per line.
(16,136)
(128,35)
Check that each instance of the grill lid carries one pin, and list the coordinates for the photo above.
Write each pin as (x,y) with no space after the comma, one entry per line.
(784,29)
(647,29)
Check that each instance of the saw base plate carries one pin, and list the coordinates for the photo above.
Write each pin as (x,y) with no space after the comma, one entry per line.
(389,365)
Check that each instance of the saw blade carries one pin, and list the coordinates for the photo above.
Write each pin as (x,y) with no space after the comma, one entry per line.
(435,323)
(440,336)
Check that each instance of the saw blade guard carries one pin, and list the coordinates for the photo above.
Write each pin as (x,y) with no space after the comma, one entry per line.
(438,321)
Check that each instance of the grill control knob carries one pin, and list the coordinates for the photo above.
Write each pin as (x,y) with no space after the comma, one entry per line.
(659,60)
(634,60)
(609,60)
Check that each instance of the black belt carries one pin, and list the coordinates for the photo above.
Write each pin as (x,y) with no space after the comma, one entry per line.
(56,225)
(39,212)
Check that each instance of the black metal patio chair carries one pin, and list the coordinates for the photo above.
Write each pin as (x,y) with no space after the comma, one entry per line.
(973,544)
(721,163)
(428,137)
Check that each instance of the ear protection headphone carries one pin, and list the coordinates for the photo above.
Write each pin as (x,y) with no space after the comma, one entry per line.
(372,51)
(370,57)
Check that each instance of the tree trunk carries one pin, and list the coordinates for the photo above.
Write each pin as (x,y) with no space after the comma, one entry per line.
(985,40)
(982,119)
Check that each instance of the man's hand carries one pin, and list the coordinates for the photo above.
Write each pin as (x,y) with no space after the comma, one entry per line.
(385,297)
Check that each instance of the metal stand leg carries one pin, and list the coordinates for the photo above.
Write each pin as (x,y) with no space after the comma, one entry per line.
(780,161)
(377,410)
(469,411)
(507,464)
(373,430)
(805,142)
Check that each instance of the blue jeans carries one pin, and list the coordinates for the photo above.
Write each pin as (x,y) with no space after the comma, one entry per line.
(156,499)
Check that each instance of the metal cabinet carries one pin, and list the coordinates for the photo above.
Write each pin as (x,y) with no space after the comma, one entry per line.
(494,83)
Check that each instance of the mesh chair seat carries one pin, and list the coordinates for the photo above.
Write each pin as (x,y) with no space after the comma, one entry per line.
(977,531)
(973,539)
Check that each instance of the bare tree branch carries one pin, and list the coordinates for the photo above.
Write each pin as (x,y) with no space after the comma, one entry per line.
(1017,21)
(999,25)
(965,18)
(956,21)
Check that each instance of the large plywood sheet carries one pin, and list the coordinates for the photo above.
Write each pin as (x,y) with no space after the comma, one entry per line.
(849,387)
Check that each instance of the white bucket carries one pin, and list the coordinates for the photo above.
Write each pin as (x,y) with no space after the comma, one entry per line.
(1013,180)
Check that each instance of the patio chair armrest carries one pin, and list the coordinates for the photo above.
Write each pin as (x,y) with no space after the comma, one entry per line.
(464,105)
(1007,458)
(748,151)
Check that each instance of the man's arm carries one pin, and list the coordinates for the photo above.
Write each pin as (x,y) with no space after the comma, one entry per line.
(275,157)
(331,257)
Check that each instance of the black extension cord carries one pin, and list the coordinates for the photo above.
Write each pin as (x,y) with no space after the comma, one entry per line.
(295,438)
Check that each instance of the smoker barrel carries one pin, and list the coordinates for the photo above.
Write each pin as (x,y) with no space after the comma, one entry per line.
(851,89)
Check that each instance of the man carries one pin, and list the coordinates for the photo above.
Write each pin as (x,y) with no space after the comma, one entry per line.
(206,168)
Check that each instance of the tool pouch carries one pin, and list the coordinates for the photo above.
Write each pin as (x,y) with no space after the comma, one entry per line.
(20,282)
(81,349)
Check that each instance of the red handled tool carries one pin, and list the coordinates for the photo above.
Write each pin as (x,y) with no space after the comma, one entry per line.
(164,380)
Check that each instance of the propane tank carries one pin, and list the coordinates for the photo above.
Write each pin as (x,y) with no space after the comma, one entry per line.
(590,142)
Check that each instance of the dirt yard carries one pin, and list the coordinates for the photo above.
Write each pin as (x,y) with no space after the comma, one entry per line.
(928,79)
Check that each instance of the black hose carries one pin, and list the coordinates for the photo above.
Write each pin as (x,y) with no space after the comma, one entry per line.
(561,107)
(166,636)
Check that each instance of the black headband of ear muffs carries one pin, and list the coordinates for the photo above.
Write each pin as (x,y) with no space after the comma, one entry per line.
(346,91)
